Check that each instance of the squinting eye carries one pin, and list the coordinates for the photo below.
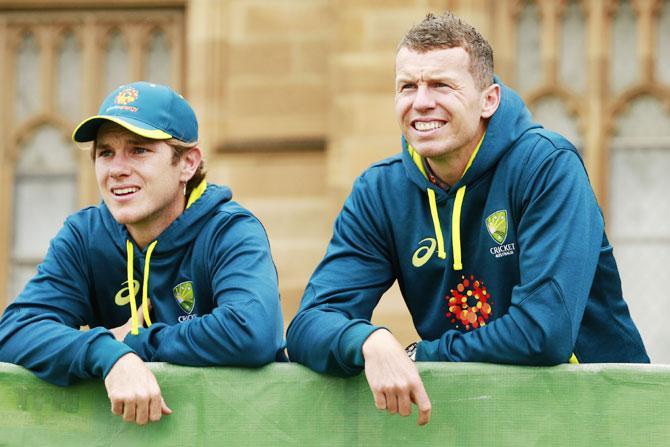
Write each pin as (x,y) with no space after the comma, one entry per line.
(103,154)
(406,87)
(139,150)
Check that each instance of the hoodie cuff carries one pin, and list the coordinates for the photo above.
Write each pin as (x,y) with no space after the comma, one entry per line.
(428,351)
(351,343)
(141,343)
(440,350)
(103,352)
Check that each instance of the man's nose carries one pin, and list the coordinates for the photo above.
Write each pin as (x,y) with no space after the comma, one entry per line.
(119,165)
(424,99)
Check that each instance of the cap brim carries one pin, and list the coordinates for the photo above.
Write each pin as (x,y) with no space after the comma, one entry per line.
(87,130)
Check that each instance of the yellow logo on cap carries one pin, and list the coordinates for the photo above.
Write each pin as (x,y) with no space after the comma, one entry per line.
(126,96)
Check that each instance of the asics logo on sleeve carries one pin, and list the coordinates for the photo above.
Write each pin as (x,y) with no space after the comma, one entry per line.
(123,296)
(424,252)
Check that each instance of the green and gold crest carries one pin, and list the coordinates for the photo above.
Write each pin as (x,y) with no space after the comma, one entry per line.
(496,224)
(183,293)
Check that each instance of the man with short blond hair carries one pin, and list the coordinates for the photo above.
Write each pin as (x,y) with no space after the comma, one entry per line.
(166,269)
(488,223)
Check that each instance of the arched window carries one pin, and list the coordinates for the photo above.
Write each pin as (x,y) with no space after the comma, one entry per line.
(529,59)
(69,77)
(118,68)
(573,50)
(44,194)
(639,209)
(57,66)
(28,84)
(552,114)
(158,59)
(624,69)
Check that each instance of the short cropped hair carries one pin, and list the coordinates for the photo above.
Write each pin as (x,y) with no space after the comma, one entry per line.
(449,31)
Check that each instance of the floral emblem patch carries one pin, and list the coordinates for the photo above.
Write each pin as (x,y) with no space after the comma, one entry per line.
(469,304)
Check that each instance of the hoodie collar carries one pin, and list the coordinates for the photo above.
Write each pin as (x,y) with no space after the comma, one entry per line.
(508,124)
(203,201)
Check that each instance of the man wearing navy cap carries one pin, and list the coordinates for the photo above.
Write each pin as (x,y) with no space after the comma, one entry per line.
(166,269)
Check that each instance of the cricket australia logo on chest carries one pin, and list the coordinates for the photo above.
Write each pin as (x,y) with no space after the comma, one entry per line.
(497,226)
(183,293)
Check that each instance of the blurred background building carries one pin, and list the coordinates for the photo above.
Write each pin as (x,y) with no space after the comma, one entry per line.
(295,99)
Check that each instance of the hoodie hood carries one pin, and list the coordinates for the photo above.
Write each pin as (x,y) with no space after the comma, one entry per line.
(510,121)
(203,201)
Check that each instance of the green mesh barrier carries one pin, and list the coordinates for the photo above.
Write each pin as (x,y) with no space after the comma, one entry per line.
(286,404)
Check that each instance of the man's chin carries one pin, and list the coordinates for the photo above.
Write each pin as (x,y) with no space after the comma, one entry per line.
(429,150)
(124,217)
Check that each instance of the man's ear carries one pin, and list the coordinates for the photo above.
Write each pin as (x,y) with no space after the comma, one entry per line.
(490,100)
(189,162)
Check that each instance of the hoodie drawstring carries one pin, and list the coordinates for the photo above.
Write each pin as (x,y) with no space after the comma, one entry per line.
(456,227)
(436,224)
(455,214)
(195,195)
(145,287)
(131,289)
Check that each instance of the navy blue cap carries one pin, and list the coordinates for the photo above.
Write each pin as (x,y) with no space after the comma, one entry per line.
(151,110)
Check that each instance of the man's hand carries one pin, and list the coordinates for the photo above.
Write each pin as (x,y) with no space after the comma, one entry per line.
(393,377)
(134,392)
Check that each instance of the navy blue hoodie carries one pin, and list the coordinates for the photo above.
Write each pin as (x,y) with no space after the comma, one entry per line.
(510,265)
(211,282)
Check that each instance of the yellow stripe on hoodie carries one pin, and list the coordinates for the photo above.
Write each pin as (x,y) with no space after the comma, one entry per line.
(134,326)
(456,212)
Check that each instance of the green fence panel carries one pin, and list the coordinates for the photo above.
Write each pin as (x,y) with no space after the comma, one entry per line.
(287,404)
